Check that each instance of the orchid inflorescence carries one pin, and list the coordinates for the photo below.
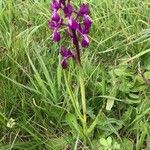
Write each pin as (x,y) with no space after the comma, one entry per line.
(78,24)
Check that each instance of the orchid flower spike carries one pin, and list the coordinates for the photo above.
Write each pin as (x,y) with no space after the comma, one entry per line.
(78,23)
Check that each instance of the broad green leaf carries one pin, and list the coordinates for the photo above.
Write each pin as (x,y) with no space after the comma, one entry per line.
(73,123)
(147,75)
(116,146)
(134,96)
(122,71)
(109,141)
(127,144)
(59,142)
(103,142)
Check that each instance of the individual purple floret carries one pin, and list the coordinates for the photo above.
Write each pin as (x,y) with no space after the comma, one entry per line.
(55,5)
(84,9)
(68,10)
(66,54)
(78,24)
(56,36)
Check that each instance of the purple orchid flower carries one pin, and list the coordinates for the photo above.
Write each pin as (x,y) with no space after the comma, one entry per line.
(66,54)
(55,16)
(84,10)
(78,23)
(56,36)
(68,10)
(55,5)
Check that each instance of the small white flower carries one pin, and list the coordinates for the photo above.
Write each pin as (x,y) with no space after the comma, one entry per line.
(11,122)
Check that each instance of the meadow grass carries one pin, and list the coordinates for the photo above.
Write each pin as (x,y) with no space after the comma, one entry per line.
(40,104)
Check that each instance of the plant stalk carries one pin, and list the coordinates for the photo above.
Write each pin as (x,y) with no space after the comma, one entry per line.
(73,99)
(82,88)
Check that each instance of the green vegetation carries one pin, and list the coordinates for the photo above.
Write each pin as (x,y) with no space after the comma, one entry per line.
(37,97)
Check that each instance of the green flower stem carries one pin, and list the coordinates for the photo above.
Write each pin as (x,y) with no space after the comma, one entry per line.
(73,99)
(82,88)
(82,117)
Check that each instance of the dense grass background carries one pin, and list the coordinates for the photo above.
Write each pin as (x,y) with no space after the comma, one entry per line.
(116,70)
